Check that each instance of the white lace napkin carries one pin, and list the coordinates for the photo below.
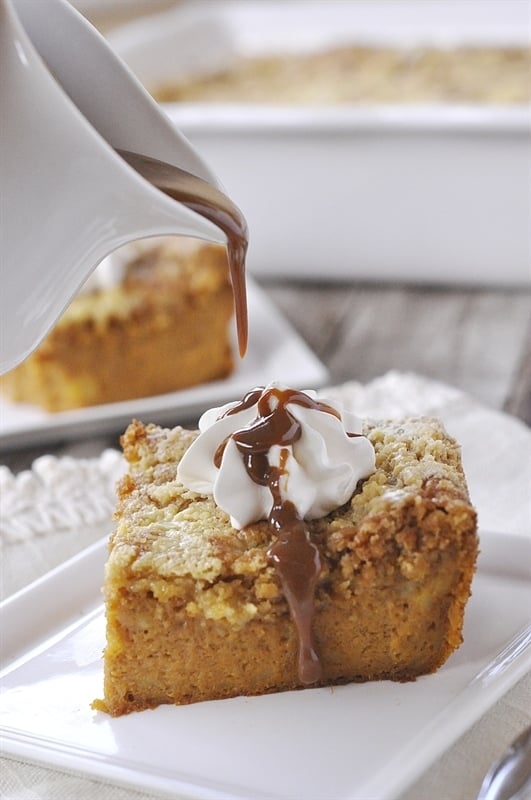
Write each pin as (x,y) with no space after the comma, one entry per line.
(58,493)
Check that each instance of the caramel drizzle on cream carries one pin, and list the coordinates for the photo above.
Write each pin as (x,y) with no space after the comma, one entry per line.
(295,557)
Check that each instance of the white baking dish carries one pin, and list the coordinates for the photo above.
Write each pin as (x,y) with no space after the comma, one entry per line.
(428,193)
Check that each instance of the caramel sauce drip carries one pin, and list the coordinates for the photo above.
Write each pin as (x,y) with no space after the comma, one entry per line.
(298,563)
(203,198)
(295,557)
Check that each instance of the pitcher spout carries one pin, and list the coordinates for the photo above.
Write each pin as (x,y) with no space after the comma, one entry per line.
(69,198)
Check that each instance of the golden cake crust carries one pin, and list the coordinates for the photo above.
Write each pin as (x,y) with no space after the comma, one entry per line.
(200,600)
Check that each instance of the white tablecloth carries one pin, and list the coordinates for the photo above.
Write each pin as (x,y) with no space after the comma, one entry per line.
(62,505)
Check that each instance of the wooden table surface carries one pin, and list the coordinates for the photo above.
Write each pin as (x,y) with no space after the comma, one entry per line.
(478,340)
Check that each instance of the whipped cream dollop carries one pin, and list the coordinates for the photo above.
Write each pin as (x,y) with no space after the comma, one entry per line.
(277,445)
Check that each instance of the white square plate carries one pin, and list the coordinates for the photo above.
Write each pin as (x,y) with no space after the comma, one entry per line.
(275,352)
(359,741)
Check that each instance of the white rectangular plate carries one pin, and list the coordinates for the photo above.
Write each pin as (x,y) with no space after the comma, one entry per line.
(276,352)
(358,741)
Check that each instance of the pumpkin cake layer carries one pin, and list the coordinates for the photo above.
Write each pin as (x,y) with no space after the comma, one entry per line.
(164,327)
(195,609)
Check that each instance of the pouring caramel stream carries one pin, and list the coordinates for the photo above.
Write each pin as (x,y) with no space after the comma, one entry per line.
(203,198)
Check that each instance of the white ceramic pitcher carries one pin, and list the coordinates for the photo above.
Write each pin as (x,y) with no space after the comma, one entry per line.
(68,199)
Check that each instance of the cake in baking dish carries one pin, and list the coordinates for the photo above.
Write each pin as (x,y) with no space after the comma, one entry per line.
(358,74)
(202,604)
(162,326)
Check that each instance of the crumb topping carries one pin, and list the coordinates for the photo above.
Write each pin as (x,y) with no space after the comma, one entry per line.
(180,545)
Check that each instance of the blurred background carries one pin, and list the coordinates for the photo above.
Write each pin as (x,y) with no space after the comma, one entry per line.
(417,189)
(388,139)
(380,152)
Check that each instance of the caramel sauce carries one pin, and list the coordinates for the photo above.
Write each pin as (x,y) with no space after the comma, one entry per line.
(203,198)
(298,564)
(295,557)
